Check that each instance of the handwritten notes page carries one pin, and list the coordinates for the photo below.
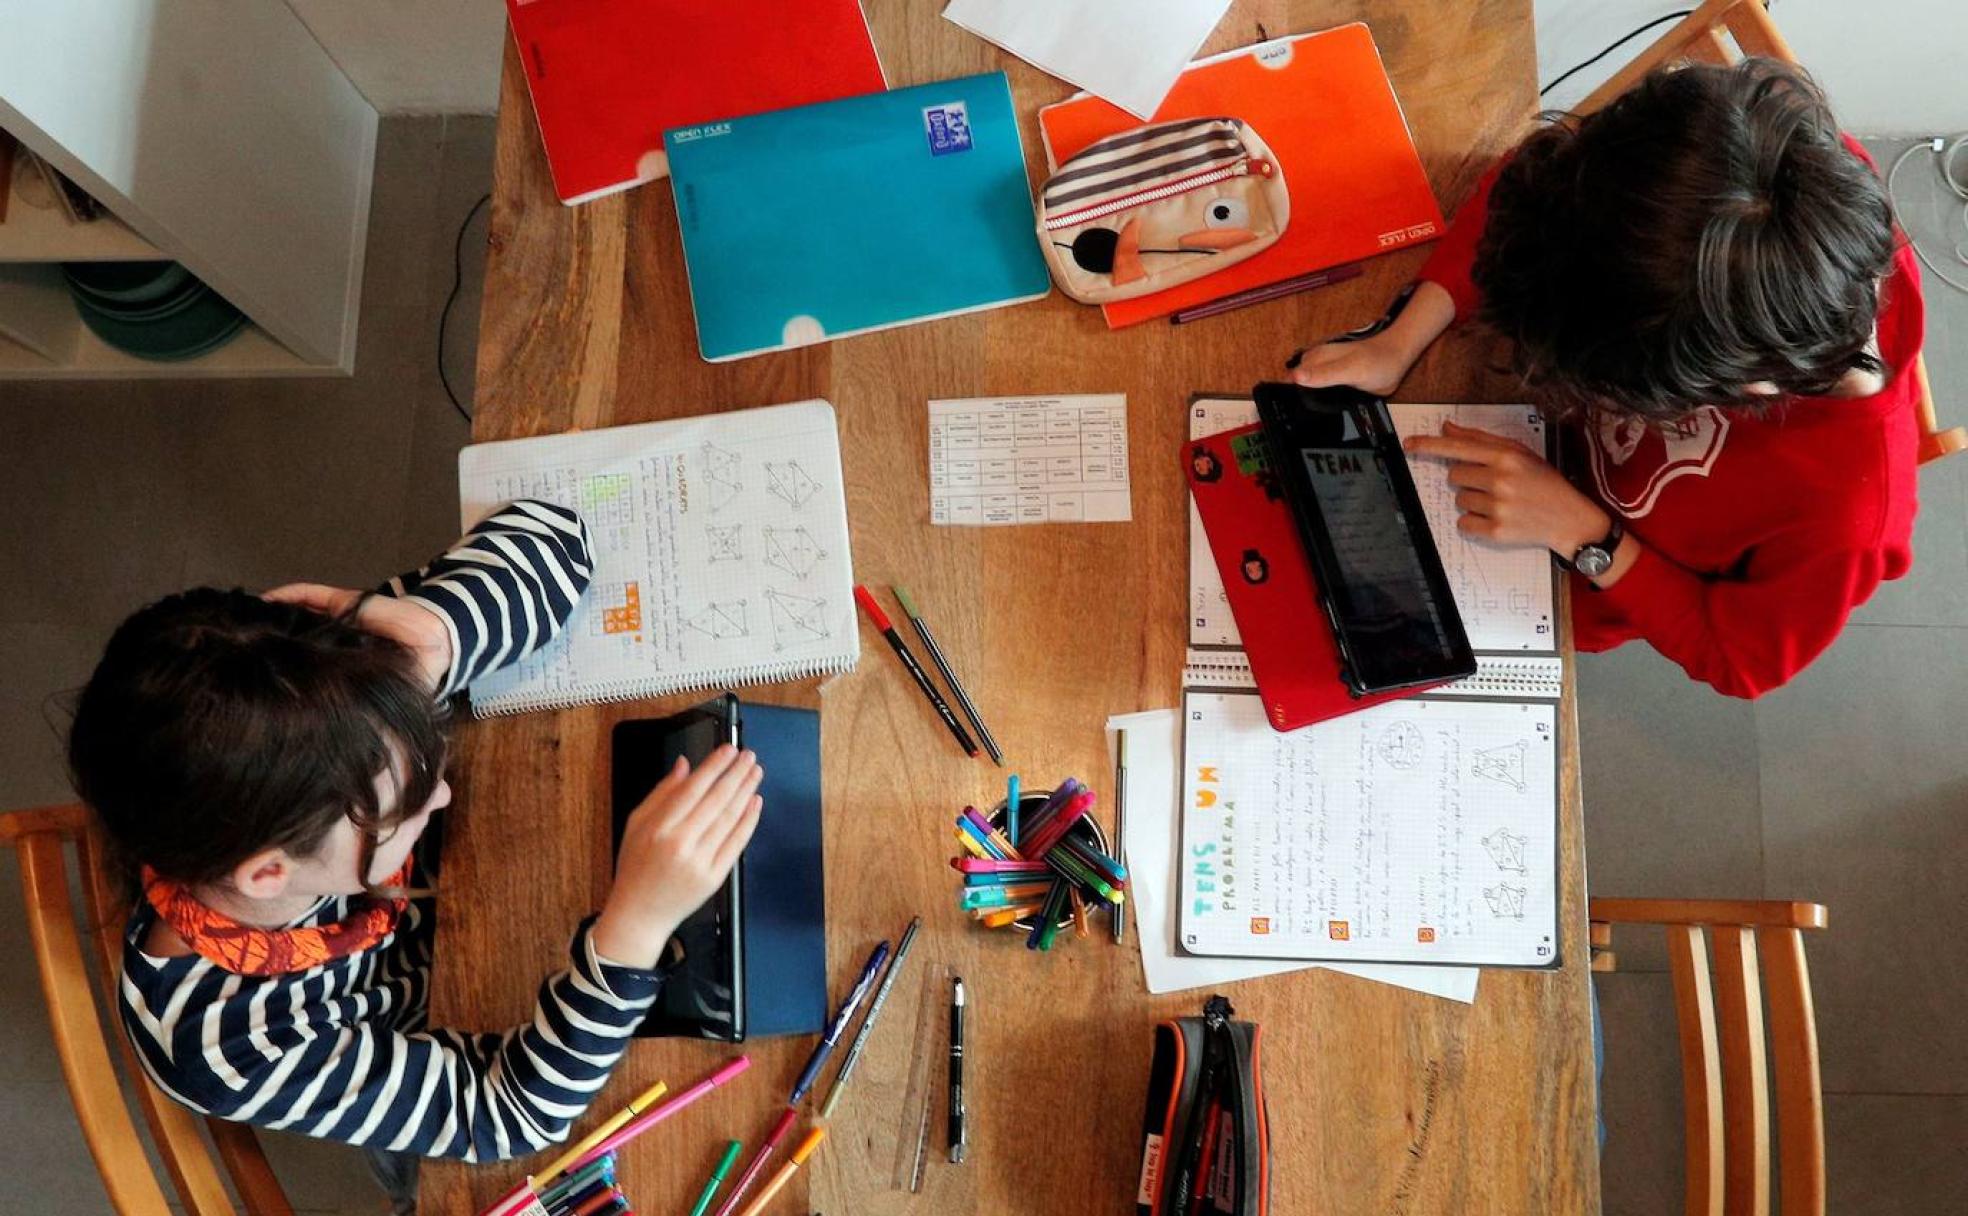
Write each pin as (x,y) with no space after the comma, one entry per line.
(1029,460)
(1507,597)
(1423,831)
(720,546)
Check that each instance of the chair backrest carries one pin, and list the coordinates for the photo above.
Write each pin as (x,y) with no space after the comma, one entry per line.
(1729,1056)
(42,839)
(1722,32)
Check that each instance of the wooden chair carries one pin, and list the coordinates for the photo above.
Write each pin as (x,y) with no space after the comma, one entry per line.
(41,838)
(1722,32)
(1726,1058)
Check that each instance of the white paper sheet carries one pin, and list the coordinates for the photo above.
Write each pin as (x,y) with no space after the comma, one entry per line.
(1154,742)
(1127,51)
(1029,460)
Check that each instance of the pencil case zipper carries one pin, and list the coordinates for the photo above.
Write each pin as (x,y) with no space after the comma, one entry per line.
(1209,177)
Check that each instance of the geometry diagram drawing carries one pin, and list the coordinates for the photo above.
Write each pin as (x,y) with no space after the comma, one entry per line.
(790,482)
(1506,849)
(721,470)
(723,619)
(796,618)
(1503,764)
(1520,601)
(793,550)
(1400,745)
(726,543)
(1506,902)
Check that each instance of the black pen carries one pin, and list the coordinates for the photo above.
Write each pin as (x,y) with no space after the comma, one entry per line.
(958,1147)
(949,676)
(1387,319)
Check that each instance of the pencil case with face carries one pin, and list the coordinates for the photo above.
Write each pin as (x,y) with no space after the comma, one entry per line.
(1205,1139)
(1160,205)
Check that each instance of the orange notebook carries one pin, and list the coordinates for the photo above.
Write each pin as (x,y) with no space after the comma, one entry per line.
(1324,104)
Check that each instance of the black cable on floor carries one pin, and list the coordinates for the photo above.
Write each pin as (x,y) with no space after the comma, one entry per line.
(1570,72)
(444,318)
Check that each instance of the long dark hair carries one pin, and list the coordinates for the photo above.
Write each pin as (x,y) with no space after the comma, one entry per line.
(1707,230)
(218,724)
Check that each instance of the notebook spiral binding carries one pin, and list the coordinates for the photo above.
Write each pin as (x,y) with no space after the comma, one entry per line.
(639,690)
(1496,675)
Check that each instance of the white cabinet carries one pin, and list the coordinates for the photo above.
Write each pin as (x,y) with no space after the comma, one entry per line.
(220,135)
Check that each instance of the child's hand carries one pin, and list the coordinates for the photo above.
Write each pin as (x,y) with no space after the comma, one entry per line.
(418,628)
(1372,365)
(677,848)
(1510,495)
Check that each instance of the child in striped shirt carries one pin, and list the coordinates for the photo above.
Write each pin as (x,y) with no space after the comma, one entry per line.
(267,765)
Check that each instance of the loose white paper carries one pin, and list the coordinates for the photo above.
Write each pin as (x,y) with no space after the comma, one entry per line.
(1127,51)
(1154,742)
(1029,460)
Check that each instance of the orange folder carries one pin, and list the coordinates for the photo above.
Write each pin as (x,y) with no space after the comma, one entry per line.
(1324,104)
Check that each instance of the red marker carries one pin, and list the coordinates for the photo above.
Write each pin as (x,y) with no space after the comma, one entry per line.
(881,622)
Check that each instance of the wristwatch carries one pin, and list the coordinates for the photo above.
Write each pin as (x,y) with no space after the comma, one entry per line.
(1595,558)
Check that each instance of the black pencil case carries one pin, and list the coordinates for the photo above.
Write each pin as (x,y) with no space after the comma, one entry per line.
(1205,1131)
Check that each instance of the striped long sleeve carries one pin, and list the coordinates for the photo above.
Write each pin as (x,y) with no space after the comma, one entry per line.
(506,588)
(340,1052)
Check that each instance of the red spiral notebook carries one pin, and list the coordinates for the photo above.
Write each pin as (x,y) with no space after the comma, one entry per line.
(608,77)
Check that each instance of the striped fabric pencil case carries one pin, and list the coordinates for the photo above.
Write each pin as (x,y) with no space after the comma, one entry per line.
(1159,205)
(1205,1139)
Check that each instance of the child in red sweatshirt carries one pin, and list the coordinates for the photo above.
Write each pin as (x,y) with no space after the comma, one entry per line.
(1705,279)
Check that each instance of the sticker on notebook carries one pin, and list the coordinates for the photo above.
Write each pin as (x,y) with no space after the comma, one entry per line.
(947,127)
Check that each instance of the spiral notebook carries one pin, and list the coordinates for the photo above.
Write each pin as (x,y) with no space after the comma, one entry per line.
(1422,830)
(720,546)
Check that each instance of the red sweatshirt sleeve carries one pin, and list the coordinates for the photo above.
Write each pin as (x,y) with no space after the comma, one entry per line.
(1745,636)
(1454,256)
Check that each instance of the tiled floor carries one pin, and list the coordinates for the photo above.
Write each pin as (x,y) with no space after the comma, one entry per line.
(1843,788)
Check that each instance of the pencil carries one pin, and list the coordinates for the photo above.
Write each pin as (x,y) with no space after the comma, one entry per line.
(1270,291)
(949,677)
(887,629)
(608,1128)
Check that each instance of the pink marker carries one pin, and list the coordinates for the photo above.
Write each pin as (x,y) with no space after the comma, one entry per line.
(652,1118)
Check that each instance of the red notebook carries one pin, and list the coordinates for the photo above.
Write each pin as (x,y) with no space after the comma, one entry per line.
(608,77)
(1269,583)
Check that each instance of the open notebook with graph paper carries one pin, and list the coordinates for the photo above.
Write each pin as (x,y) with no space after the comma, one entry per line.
(720,547)
(1416,831)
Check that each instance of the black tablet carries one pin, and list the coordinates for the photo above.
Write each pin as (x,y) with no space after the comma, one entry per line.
(705,994)
(1340,466)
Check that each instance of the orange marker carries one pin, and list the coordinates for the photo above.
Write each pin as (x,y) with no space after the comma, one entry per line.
(786,1171)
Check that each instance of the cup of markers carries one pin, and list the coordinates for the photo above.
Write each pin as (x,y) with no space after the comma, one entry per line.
(1054,875)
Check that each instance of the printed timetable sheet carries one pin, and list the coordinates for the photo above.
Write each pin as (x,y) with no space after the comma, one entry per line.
(1029,460)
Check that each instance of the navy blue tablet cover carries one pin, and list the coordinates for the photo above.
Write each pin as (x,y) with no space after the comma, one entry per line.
(785,881)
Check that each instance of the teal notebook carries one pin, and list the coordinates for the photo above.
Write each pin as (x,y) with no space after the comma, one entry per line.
(822,221)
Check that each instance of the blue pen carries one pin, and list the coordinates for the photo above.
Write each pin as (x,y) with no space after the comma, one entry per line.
(839,1024)
(1011,809)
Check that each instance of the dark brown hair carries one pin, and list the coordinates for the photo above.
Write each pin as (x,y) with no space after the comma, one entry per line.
(218,724)
(1707,230)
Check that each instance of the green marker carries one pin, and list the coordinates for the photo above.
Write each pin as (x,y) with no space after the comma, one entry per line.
(717,1178)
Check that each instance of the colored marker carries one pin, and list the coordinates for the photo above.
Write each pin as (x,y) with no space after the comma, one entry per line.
(786,1171)
(949,677)
(717,1177)
(1011,809)
(752,1171)
(644,1122)
(974,865)
(860,1042)
(640,1103)
(901,648)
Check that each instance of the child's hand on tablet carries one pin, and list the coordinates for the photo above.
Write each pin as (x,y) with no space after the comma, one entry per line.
(677,848)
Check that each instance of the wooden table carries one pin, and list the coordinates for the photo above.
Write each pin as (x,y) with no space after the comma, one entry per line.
(1381,1100)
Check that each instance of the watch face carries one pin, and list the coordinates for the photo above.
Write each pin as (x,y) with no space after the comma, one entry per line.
(1592,561)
